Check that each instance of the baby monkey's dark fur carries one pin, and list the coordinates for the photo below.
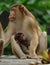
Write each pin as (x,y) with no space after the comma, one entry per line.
(22,39)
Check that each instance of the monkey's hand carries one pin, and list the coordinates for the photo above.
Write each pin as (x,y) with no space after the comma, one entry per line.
(1,46)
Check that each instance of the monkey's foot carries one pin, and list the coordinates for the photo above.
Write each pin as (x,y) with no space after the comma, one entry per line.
(23,57)
(1,47)
(35,56)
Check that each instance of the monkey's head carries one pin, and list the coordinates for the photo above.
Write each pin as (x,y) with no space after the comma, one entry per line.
(22,39)
(16,12)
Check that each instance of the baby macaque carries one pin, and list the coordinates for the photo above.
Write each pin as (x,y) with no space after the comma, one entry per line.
(22,40)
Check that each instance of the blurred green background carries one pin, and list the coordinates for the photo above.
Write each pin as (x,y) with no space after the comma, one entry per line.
(39,8)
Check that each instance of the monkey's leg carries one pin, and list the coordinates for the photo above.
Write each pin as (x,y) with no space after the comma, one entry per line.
(43,42)
(17,48)
(13,51)
(33,46)
(25,49)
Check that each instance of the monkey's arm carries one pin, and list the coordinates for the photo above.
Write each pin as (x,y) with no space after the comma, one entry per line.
(16,47)
(33,45)
(32,31)
(8,33)
(1,32)
(1,40)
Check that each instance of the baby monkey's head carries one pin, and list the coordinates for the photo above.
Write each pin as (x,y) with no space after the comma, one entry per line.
(22,39)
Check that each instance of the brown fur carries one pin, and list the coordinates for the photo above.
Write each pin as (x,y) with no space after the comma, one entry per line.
(21,20)
(26,21)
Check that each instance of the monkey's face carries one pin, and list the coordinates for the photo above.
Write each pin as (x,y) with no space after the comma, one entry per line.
(15,12)
(20,37)
(12,15)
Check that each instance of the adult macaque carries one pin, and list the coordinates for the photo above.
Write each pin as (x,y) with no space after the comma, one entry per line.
(21,20)
(25,22)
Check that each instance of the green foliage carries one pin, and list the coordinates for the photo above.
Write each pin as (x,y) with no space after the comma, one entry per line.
(49,41)
(8,50)
(39,8)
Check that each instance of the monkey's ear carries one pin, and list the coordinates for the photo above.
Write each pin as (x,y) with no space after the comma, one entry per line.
(21,8)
